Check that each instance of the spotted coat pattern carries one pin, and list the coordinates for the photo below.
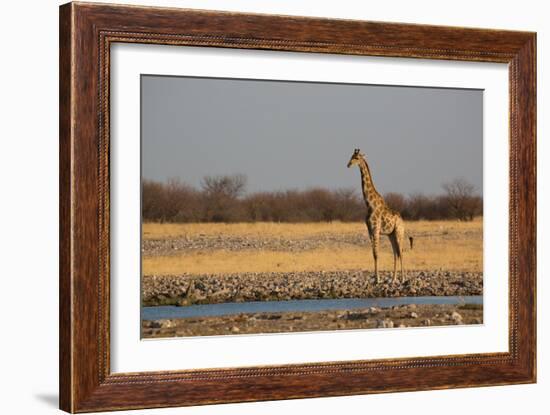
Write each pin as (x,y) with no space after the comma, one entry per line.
(380,218)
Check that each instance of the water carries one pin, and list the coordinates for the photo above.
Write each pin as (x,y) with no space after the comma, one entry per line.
(223,309)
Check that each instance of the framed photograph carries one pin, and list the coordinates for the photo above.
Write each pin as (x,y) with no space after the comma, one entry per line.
(259,207)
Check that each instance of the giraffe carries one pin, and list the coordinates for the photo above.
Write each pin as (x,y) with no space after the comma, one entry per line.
(380,218)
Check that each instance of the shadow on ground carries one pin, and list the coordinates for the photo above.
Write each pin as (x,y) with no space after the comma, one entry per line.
(50,399)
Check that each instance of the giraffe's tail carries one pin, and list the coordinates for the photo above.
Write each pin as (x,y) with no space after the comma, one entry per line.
(411,242)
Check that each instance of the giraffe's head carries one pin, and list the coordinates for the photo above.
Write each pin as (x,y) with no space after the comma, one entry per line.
(355,157)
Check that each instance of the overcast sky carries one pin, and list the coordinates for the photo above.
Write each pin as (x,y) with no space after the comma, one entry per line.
(295,135)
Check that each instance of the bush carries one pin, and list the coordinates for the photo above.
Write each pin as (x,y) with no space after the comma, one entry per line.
(223,199)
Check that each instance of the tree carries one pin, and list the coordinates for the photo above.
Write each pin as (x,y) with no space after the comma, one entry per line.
(173,201)
(350,206)
(461,199)
(221,194)
(224,186)
(419,207)
(396,202)
(223,199)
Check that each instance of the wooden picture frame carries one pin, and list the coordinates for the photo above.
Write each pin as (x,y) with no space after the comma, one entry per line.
(86,33)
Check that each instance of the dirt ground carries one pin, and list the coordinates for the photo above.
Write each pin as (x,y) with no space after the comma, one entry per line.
(370,318)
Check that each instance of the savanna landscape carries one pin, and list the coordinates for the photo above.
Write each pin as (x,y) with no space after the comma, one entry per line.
(186,264)
(259,214)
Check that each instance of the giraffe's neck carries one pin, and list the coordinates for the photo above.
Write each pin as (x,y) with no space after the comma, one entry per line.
(370,194)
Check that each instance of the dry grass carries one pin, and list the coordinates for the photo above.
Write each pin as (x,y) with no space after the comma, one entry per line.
(223,262)
(446,245)
(294,230)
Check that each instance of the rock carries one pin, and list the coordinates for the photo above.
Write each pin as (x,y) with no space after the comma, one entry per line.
(457,318)
(220,296)
(413,315)
(427,322)
(235,329)
(357,316)
(402,326)
(161,324)
(262,286)
(384,324)
(182,302)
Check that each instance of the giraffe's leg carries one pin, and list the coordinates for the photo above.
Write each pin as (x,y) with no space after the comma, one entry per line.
(394,267)
(375,244)
(400,240)
(393,240)
(371,231)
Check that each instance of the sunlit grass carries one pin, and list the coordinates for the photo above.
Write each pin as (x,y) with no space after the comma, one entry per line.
(294,230)
(445,245)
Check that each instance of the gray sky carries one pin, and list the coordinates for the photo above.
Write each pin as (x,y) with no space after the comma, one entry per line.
(294,135)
